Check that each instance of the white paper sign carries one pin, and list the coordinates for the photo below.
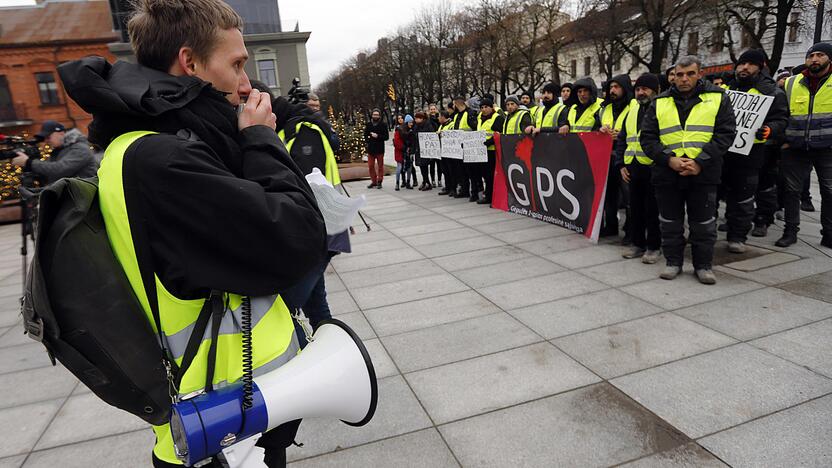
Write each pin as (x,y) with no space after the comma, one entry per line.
(750,111)
(473,147)
(452,143)
(429,146)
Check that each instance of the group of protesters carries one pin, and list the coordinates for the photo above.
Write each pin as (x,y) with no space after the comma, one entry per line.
(673,152)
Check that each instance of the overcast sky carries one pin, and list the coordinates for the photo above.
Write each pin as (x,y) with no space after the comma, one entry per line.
(339,28)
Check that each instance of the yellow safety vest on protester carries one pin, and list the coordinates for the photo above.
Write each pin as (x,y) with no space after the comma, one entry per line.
(511,126)
(273,334)
(460,121)
(810,124)
(633,131)
(606,114)
(534,111)
(331,171)
(699,127)
(587,121)
(549,118)
(485,126)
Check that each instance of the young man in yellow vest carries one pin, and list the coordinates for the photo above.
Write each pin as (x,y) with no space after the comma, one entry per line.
(741,173)
(517,120)
(464,118)
(528,101)
(553,114)
(687,131)
(613,111)
(810,142)
(583,115)
(633,166)
(225,208)
(490,121)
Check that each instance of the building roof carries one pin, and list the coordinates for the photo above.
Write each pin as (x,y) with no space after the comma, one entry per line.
(55,23)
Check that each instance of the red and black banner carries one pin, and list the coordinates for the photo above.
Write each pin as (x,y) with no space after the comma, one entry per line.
(558,179)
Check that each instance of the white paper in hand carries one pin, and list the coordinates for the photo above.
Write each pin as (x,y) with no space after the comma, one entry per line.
(338,210)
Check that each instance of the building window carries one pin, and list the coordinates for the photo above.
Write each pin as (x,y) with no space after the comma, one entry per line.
(717,42)
(693,43)
(794,25)
(47,88)
(747,37)
(587,66)
(266,72)
(573,68)
(6,106)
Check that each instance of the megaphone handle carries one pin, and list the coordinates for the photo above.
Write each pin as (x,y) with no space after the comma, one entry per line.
(303,321)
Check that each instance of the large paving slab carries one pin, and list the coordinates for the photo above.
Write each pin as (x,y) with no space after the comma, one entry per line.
(541,289)
(717,390)
(685,290)
(808,346)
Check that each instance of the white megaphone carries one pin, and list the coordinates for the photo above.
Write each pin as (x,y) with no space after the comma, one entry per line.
(332,377)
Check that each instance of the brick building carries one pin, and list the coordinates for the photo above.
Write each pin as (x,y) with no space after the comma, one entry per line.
(34,40)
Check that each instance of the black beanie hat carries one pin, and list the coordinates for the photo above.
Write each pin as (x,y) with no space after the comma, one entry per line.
(648,80)
(824,47)
(551,88)
(486,102)
(755,56)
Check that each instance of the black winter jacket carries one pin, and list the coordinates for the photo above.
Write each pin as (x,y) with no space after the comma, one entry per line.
(375,145)
(228,210)
(711,157)
(777,119)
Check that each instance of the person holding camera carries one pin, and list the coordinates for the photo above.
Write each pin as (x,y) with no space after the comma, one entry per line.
(71,154)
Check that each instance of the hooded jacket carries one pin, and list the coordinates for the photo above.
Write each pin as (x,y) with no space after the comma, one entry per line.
(629,94)
(710,160)
(588,83)
(73,159)
(228,210)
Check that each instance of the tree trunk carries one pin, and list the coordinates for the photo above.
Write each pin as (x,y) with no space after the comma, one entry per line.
(784,8)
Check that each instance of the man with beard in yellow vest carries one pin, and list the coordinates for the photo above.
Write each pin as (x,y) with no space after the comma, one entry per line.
(687,131)
(583,115)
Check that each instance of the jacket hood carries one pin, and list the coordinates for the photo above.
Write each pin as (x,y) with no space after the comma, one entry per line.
(625,83)
(125,97)
(74,136)
(588,83)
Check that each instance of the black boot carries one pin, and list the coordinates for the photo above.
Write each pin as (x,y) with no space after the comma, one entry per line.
(760,230)
(789,238)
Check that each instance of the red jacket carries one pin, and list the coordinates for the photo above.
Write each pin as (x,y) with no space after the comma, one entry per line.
(399,144)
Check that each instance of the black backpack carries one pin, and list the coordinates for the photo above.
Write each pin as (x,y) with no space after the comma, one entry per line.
(79,303)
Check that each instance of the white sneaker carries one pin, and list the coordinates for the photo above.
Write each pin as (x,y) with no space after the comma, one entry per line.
(651,256)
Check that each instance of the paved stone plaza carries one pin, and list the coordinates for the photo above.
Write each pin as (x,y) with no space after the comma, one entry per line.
(501,341)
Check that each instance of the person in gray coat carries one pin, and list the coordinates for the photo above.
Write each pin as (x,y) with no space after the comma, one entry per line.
(71,155)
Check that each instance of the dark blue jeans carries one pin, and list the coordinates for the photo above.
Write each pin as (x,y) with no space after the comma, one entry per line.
(309,294)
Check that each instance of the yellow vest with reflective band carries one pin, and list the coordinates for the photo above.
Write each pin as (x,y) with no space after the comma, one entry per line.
(511,126)
(549,118)
(750,91)
(534,111)
(810,123)
(460,121)
(606,114)
(331,171)
(587,121)
(699,127)
(485,125)
(273,338)
(633,131)
(449,125)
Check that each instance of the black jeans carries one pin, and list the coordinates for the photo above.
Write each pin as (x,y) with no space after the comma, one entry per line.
(699,201)
(740,179)
(488,174)
(460,179)
(766,197)
(643,221)
(795,168)
(610,225)
(447,170)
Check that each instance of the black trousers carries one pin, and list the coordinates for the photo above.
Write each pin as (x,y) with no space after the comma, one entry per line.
(460,179)
(447,170)
(795,167)
(424,168)
(435,170)
(610,225)
(643,220)
(699,202)
(488,174)
(767,187)
(740,179)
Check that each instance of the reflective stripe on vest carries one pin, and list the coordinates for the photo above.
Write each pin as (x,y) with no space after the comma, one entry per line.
(699,126)
(587,121)
(549,118)
(461,121)
(606,114)
(633,132)
(273,339)
(810,124)
(486,127)
(511,126)
(331,170)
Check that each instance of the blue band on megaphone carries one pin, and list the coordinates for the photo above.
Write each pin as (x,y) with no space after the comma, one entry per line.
(203,426)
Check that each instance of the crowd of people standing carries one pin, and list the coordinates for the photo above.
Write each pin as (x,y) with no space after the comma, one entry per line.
(673,159)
